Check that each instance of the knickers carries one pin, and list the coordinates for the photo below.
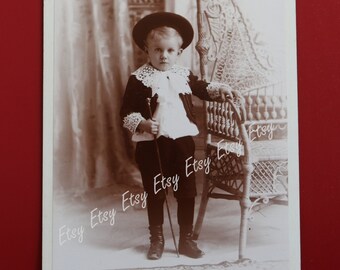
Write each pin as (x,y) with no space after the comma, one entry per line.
(173,155)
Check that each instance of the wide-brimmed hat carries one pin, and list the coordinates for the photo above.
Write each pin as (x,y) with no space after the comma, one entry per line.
(158,19)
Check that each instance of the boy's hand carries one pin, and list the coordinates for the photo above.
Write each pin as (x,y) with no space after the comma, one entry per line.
(225,93)
(149,126)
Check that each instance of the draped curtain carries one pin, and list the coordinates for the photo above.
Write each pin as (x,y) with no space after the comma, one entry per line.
(93,59)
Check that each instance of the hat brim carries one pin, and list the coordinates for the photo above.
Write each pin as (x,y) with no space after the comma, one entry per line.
(155,20)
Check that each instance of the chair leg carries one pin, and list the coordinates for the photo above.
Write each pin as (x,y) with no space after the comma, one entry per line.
(202,209)
(245,204)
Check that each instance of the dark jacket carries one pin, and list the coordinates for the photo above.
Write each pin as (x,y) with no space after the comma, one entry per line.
(136,95)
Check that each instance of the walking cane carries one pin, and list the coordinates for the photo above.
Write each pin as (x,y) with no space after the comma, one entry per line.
(161,170)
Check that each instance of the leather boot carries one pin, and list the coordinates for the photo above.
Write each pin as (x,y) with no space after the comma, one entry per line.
(187,246)
(156,242)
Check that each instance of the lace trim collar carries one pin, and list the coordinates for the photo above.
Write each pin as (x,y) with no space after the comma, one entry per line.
(147,73)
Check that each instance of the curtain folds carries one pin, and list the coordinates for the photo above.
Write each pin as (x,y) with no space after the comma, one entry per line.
(93,59)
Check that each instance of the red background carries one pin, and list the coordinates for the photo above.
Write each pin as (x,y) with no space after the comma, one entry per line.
(21,24)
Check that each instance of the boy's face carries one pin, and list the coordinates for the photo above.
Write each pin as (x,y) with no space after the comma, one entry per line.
(163,52)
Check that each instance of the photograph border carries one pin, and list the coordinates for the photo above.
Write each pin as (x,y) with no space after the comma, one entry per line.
(48,86)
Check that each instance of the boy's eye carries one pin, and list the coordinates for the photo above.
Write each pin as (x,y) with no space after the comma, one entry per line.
(171,50)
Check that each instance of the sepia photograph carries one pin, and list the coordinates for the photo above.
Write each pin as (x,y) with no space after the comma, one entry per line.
(170,135)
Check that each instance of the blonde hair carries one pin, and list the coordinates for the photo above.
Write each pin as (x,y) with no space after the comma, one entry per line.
(164,32)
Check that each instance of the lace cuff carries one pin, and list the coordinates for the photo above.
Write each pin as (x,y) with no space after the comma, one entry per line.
(132,121)
(213,90)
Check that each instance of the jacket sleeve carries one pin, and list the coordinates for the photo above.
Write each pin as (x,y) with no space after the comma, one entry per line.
(130,111)
(204,90)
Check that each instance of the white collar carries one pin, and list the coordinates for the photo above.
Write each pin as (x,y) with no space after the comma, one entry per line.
(147,73)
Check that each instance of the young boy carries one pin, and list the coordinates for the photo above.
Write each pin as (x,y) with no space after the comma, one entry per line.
(163,36)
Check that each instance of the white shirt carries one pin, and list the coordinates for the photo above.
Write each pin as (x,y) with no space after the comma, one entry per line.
(170,111)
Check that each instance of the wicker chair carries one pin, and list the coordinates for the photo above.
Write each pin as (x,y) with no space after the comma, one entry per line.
(246,137)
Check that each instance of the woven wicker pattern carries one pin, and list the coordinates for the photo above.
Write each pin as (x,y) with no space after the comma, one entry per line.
(227,40)
(225,173)
(269,178)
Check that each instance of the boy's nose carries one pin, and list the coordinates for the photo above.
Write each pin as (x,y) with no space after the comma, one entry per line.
(164,55)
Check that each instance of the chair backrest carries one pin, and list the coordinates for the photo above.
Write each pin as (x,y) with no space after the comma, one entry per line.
(229,55)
